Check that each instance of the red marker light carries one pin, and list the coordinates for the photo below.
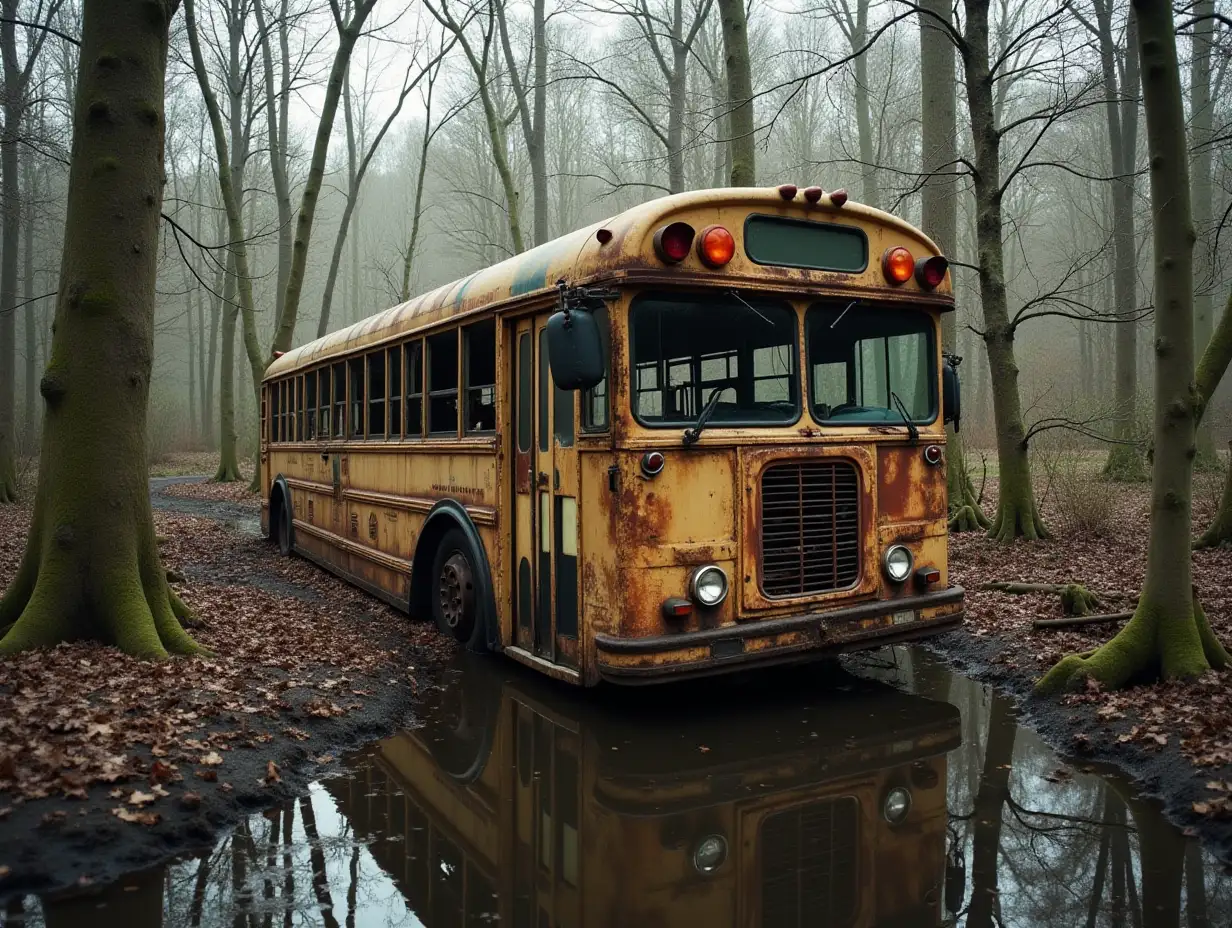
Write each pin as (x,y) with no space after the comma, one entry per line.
(672,242)
(838,197)
(676,607)
(787,191)
(715,246)
(926,576)
(897,265)
(652,463)
(813,194)
(929,272)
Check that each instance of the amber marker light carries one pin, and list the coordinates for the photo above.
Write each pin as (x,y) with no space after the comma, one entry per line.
(715,246)
(897,265)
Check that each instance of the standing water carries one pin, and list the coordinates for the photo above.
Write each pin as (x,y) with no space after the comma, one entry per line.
(816,796)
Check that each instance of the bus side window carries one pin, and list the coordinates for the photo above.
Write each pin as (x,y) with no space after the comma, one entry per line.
(340,400)
(595,403)
(357,397)
(310,406)
(299,408)
(481,377)
(394,360)
(443,383)
(414,389)
(376,395)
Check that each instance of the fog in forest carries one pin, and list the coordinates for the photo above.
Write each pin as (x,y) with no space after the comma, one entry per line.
(634,105)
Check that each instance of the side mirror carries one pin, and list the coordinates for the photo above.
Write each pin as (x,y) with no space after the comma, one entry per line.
(951,391)
(575,350)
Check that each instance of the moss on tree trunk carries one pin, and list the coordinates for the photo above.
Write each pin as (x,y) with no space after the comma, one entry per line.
(1168,636)
(1219,532)
(91,568)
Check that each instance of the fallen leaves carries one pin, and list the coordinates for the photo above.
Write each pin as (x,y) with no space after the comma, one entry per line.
(139,798)
(272,774)
(212,759)
(138,818)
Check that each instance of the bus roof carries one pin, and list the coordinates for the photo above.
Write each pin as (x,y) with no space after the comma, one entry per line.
(580,256)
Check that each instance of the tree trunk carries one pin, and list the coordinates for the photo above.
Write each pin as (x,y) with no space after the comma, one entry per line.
(1168,636)
(1125,460)
(417,212)
(1017,515)
(870,193)
(533,114)
(91,568)
(939,210)
(1201,134)
(10,231)
(277,153)
(677,93)
(739,93)
(30,324)
(284,334)
(228,460)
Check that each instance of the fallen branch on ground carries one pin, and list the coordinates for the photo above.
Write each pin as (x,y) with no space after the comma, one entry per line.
(1081,620)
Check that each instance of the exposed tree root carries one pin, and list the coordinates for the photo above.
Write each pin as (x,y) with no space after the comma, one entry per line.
(136,610)
(965,512)
(1017,520)
(1152,645)
(1125,464)
(228,472)
(1077,600)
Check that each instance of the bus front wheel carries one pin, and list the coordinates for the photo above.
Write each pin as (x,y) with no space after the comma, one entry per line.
(454,602)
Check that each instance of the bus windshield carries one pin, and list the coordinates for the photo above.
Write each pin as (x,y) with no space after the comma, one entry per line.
(865,361)
(684,347)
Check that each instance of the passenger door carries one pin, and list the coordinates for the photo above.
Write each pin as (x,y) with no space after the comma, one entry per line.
(545,491)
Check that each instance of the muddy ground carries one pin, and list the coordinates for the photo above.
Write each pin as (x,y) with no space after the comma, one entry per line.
(108,764)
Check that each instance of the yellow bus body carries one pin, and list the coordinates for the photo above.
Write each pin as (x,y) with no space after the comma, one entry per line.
(550,811)
(580,550)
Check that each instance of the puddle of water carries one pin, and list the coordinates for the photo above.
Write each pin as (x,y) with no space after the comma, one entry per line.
(244,525)
(801,797)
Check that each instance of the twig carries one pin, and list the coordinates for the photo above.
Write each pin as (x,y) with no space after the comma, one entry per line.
(1081,620)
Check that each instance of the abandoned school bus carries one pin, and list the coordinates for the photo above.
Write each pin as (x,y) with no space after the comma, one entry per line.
(703,434)
(780,807)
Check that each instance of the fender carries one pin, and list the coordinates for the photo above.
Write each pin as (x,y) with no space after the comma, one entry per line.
(279,485)
(447,514)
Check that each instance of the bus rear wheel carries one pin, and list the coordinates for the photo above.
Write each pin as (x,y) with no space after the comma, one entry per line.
(454,605)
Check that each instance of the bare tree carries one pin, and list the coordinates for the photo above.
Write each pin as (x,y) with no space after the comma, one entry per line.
(1168,633)
(739,92)
(93,571)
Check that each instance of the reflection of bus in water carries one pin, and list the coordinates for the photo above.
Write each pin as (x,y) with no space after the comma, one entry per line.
(827,809)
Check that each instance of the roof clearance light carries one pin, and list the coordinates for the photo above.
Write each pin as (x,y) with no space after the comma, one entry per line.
(929,272)
(897,265)
(672,242)
(838,197)
(715,246)
(812,194)
(787,191)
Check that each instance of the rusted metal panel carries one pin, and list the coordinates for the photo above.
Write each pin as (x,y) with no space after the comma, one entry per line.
(909,489)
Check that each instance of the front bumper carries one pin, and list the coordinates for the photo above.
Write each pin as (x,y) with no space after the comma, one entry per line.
(776,641)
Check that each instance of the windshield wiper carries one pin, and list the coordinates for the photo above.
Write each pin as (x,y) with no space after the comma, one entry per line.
(691,435)
(913,433)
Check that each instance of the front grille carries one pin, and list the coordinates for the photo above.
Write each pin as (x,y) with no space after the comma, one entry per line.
(810,527)
(808,865)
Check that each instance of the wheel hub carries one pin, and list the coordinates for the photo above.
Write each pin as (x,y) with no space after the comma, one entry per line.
(456,590)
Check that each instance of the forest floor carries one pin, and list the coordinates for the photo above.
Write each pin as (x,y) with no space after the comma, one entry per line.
(1175,739)
(108,763)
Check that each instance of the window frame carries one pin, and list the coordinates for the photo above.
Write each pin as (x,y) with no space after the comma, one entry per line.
(369,434)
(586,426)
(793,378)
(419,395)
(930,333)
(808,223)
(467,386)
(455,391)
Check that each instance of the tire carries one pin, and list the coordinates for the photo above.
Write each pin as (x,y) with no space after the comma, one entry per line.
(455,596)
(284,529)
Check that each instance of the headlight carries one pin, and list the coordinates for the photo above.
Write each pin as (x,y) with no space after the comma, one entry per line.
(708,585)
(897,563)
(896,805)
(709,854)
